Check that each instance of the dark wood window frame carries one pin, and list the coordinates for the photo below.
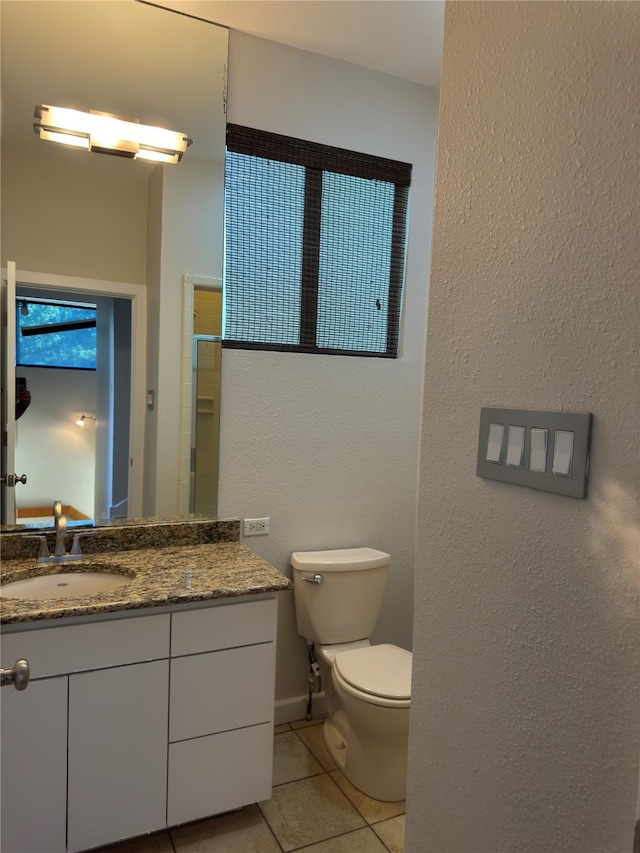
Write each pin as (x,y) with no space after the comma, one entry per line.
(316,159)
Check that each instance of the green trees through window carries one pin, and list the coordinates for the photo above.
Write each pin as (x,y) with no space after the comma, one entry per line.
(55,334)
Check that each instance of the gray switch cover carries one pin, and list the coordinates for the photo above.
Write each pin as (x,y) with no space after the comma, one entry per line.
(578,424)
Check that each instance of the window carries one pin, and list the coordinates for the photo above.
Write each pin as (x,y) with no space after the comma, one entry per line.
(55,334)
(314,246)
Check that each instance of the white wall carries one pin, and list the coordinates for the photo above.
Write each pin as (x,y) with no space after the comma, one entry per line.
(185,228)
(326,446)
(56,454)
(524,730)
(60,216)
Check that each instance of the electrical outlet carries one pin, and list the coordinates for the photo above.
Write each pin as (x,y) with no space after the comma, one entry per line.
(256,526)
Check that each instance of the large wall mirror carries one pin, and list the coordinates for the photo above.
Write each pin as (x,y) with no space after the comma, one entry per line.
(137,243)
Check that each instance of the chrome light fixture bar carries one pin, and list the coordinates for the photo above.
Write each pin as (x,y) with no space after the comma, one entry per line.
(106,133)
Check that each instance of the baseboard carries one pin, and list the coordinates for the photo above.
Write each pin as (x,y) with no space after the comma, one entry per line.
(295,708)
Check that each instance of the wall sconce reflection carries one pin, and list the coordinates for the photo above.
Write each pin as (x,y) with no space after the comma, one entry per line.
(83,418)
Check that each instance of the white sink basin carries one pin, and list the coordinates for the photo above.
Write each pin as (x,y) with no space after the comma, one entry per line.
(63,585)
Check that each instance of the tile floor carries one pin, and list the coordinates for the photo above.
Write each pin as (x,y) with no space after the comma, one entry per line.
(312,807)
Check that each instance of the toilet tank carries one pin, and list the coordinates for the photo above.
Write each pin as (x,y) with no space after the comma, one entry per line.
(344,607)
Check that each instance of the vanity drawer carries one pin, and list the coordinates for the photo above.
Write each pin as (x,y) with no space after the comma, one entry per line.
(223,627)
(219,691)
(219,773)
(92,645)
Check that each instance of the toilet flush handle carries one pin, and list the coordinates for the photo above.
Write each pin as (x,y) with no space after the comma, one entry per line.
(315,579)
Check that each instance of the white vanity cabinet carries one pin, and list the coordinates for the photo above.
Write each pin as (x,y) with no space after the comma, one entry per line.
(132,724)
(221,709)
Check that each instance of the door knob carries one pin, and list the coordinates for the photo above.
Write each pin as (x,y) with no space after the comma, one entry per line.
(11,479)
(18,676)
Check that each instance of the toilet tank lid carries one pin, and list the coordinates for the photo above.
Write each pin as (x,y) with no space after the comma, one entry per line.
(340,559)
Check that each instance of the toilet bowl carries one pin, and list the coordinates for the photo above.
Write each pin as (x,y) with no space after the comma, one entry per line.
(338,595)
(367,728)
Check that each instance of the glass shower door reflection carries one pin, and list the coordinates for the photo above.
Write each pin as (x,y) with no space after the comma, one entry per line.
(205,424)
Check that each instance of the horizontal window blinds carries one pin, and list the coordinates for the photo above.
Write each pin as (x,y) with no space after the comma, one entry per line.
(314,246)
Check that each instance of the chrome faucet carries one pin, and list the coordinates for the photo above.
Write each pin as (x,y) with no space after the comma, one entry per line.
(60,553)
(60,523)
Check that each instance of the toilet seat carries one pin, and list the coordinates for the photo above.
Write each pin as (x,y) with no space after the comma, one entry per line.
(377,674)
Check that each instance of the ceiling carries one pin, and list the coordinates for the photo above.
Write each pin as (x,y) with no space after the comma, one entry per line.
(399,37)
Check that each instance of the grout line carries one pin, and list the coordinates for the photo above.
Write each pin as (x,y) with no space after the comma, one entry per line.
(381,841)
(339,835)
(268,825)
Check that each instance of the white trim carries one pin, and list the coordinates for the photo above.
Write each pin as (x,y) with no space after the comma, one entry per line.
(208,282)
(8,374)
(137,293)
(189,284)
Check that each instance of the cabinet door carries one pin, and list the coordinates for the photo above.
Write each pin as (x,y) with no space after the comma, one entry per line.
(117,753)
(209,775)
(218,691)
(34,767)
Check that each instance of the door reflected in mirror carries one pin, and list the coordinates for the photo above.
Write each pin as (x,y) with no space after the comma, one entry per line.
(206,372)
(74,359)
(70,214)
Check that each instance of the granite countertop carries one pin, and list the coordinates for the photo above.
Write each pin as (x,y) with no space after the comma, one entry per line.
(159,576)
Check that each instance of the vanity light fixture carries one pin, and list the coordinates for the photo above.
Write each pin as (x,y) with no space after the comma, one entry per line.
(106,133)
(83,418)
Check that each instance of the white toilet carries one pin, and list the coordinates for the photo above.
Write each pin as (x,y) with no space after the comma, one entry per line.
(338,595)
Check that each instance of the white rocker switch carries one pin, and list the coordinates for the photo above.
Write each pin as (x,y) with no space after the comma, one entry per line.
(494,443)
(515,446)
(562,453)
(538,450)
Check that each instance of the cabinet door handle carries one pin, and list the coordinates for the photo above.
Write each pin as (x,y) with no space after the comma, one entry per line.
(18,676)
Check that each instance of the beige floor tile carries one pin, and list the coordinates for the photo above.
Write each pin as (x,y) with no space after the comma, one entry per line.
(360,841)
(371,810)
(313,737)
(159,843)
(308,811)
(291,759)
(244,831)
(392,833)
(282,728)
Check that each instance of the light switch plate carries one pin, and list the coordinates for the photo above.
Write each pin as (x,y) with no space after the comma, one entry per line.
(579,423)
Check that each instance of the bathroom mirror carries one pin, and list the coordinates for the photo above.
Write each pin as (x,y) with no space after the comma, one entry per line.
(72,218)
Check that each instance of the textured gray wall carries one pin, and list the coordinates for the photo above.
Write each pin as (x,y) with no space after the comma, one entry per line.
(525,698)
